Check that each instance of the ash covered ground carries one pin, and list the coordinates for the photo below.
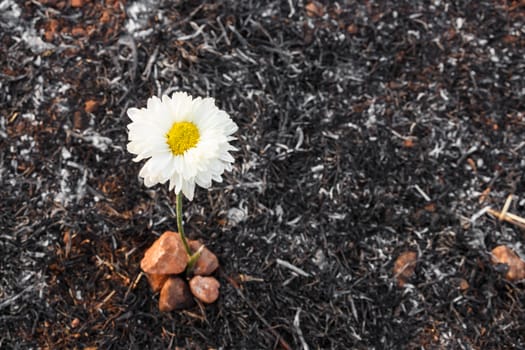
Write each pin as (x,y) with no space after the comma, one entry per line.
(367,129)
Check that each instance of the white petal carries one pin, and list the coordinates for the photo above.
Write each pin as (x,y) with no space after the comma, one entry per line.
(134,114)
(227,157)
(188,188)
(203,180)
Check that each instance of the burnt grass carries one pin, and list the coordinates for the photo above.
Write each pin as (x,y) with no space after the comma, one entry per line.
(366,130)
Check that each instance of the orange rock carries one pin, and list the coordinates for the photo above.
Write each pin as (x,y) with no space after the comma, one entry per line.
(105,17)
(207,262)
(206,289)
(404,267)
(408,143)
(75,323)
(166,256)
(352,29)
(504,255)
(78,121)
(77,3)
(51,29)
(174,295)
(90,106)
(156,281)
(78,31)
(463,285)
(314,9)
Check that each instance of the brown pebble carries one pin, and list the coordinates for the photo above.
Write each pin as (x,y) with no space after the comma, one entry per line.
(156,281)
(206,289)
(314,9)
(105,17)
(75,323)
(352,28)
(77,3)
(166,256)
(404,267)
(504,255)
(79,121)
(51,29)
(90,106)
(207,262)
(175,295)
(78,31)
(463,284)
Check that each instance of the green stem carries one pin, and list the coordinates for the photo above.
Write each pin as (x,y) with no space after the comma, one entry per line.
(193,259)
(179,224)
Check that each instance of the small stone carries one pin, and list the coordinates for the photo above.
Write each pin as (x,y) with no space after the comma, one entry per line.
(79,122)
(90,106)
(75,323)
(404,267)
(207,262)
(166,256)
(51,29)
(78,31)
(314,9)
(352,29)
(105,17)
(156,281)
(77,3)
(206,289)
(175,295)
(504,255)
(463,284)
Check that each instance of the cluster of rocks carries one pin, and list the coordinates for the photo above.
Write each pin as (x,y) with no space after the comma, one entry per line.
(165,264)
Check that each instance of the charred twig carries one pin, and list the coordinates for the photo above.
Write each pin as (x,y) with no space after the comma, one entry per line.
(292,267)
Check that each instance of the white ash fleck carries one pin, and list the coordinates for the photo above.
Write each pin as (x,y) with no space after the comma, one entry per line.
(10,12)
(64,196)
(337,216)
(459,22)
(98,141)
(139,15)
(317,168)
(38,92)
(29,116)
(319,259)
(63,88)
(237,215)
(81,186)
(493,57)
(35,42)
(279,212)
(65,153)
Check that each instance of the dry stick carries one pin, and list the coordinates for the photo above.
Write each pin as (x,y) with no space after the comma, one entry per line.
(508,217)
(292,267)
(133,285)
(281,341)
(106,299)
(506,207)
(296,324)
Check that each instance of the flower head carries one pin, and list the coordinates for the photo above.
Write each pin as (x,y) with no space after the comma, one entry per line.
(186,140)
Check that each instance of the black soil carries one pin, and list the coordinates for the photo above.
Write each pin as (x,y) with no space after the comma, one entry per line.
(366,129)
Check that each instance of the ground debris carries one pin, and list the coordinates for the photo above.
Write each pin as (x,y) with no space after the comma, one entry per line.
(514,265)
(367,128)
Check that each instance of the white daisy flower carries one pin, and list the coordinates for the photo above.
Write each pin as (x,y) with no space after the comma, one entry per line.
(185,139)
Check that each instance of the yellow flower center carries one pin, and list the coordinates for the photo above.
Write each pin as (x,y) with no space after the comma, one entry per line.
(182,136)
